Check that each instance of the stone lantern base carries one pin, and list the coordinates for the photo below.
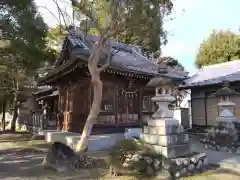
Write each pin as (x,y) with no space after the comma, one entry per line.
(166,137)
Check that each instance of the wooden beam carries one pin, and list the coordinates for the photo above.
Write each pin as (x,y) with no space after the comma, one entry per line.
(117,105)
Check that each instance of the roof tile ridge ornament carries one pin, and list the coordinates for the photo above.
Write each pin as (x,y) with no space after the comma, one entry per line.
(138,52)
(75,32)
(162,69)
(178,69)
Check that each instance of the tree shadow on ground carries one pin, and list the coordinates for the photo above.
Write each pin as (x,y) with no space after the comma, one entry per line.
(21,159)
(11,136)
(26,163)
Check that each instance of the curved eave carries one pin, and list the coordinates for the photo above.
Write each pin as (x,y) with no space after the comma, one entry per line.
(52,76)
(45,91)
(56,73)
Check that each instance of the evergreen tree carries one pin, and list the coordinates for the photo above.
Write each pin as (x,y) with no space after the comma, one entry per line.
(22,35)
(221,46)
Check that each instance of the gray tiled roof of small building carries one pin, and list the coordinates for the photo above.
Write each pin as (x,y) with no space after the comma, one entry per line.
(127,57)
(215,74)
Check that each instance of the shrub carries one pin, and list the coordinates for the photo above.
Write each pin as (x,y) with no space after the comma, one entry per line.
(134,153)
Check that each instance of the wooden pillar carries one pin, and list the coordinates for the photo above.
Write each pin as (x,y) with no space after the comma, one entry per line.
(140,106)
(66,114)
(70,107)
(116,105)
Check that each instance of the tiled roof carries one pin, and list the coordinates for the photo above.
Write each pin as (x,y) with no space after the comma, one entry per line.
(215,74)
(126,57)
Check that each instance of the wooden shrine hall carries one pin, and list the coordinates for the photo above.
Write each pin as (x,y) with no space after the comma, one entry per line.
(126,101)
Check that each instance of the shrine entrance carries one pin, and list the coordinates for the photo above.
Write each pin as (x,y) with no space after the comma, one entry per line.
(128,108)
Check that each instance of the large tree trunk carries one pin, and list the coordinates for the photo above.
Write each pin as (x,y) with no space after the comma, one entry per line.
(15,107)
(95,71)
(15,114)
(3,114)
(93,114)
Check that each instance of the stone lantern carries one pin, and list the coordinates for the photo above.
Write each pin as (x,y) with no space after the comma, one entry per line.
(165,136)
(163,96)
(226,108)
(164,133)
(225,134)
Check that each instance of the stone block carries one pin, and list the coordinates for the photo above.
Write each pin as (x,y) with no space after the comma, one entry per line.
(162,122)
(59,136)
(165,140)
(44,132)
(162,130)
(96,142)
(172,151)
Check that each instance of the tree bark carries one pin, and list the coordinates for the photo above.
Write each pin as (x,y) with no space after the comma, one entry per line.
(15,114)
(94,111)
(15,107)
(3,114)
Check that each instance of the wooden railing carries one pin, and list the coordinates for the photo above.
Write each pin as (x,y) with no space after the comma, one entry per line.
(108,118)
(40,121)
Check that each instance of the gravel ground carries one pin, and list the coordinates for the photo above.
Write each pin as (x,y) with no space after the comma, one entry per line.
(20,159)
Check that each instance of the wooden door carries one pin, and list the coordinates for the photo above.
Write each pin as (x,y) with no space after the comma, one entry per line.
(198,112)
(128,108)
(212,110)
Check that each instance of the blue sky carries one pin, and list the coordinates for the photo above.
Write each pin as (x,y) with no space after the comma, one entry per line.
(193,21)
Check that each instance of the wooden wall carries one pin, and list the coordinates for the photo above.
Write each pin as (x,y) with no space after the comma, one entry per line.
(121,105)
(204,106)
(74,100)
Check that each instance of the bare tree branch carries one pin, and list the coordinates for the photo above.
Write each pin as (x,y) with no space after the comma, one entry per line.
(56,3)
(88,13)
(59,21)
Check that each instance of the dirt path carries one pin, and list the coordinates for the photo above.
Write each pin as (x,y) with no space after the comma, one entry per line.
(20,159)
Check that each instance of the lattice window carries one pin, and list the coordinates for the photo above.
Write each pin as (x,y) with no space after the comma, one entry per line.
(147,104)
(106,119)
(108,99)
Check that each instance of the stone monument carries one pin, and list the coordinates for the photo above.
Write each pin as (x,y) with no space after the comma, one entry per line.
(225,134)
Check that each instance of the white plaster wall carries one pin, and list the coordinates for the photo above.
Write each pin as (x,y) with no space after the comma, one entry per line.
(177,114)
(184,103)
